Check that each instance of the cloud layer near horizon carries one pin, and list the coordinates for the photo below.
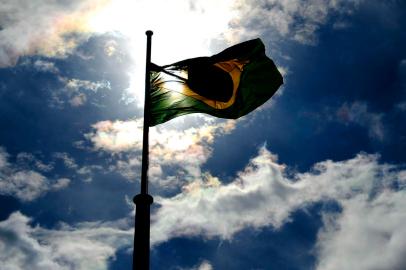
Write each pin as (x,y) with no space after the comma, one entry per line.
(263,195)
(371,195)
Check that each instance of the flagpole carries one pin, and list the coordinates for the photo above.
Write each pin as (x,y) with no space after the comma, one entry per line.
(143,200)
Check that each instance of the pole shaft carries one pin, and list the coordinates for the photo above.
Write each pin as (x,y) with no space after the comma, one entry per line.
(145,138)
(141,234)
(143,201)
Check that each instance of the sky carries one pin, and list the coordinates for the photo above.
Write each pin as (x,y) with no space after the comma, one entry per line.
(313,179)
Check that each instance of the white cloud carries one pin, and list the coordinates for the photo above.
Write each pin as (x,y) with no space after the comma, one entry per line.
(75,84)
(25,185)
(42,27)
(369,234)
(260,196)
(298,20)
(205,265)
(186,150)
(78,100)
(83,246)
(85,172)
(61,183)
(67,160)
(129,168)
(263,195)
(27,160)
(371,221)
(45,66)
(51,28)
(20,181)
(45,27)
(116,136)
(76,91)
(3,158)
(358,113)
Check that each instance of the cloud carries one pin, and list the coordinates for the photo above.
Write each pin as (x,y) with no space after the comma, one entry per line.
(205,265)
(43,27)
(75,85)
(61,183)
(85,172)
(82,246)
(369,234)
(45,66)
(67,160)
(76,91)
(358,113)
(183,150)
(28,160)
(297,20)
(260,196)
(25,185)
(129,167)
(3,158)
(78,100)
(118,136)
(55,28)
(371,195)
(20,181)
(401,106)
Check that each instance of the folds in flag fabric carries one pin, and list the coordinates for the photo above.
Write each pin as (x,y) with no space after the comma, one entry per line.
(229,84)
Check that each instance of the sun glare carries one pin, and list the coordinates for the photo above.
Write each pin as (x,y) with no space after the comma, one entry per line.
(182,29)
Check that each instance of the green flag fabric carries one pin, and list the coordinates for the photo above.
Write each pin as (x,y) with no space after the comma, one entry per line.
(229,84)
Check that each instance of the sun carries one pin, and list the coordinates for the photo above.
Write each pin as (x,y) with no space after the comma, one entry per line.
(181,30)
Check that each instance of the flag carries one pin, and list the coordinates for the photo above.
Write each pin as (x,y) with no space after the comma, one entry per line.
(228,85)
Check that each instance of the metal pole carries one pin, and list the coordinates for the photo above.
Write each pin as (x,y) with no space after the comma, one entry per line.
(143,200)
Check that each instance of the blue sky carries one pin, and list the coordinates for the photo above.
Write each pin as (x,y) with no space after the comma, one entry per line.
(313,179)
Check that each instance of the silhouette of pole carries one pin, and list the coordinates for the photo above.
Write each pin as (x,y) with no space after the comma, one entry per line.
(143,200)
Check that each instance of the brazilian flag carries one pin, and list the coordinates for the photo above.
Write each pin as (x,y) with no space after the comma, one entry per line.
(229,84)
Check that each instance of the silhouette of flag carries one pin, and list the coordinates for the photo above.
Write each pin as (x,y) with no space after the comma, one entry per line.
(229,84)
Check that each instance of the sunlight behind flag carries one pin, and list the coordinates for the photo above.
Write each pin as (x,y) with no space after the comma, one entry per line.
(229,84)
